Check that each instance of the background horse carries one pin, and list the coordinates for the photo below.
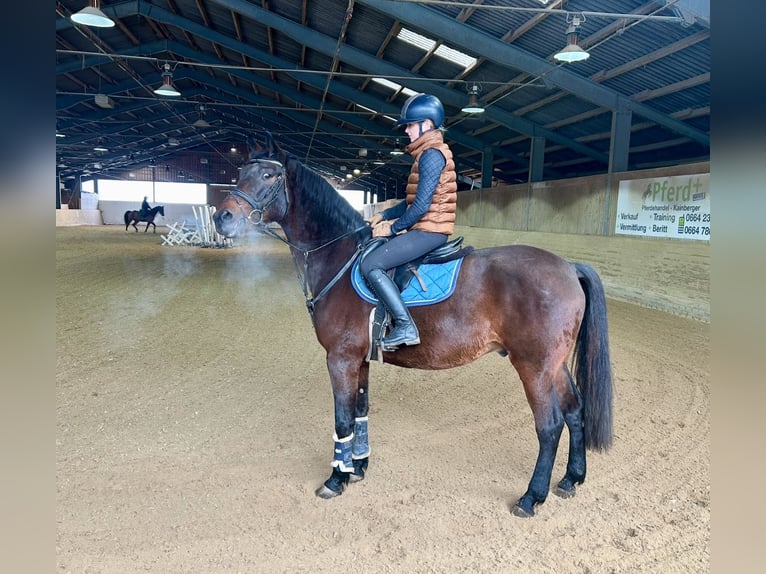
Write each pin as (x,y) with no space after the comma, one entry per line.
(520,301)
(133,216)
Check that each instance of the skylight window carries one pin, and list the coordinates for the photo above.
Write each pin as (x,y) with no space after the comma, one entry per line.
(366,109)
(455,56)
(394,86)
(443,51)
(415,39)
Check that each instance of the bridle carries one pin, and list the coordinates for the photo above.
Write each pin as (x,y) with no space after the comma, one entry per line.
(272,194)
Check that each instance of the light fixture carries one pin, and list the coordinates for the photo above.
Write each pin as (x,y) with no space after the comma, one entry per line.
(378,160)
(92,16)
(201,121)
(357,171)
(349,176)
(572,52)
(100,146)
(167,88)
(397,150)
(103,101)
(233,149)
(173,142)
(473,106)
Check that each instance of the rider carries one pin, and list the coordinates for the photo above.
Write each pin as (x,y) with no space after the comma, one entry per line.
(422,221)
(145,208)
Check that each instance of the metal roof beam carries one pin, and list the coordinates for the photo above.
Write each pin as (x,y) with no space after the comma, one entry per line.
(376,66)
(474,41)
(318,41)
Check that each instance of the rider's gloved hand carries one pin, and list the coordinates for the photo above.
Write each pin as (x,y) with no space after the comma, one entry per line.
(382,229)
(375,219)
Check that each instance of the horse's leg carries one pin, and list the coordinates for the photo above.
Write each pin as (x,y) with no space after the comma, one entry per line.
(549,422)
(570,401)
(344,377)
(360,446)
(135,226)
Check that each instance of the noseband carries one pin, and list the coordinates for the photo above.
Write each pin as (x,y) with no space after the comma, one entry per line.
(272,194)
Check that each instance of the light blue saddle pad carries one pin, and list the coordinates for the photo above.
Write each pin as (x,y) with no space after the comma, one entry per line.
(440,280)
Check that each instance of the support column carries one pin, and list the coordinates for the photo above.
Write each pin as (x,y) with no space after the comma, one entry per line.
(619,147)
(536,158)
(487,161)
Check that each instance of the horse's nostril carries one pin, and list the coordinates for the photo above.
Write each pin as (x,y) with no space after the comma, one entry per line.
(219,216)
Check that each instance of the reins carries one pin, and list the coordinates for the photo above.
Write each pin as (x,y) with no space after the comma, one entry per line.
(274,190)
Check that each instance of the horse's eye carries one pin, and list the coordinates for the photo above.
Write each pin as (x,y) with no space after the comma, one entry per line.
(267,176)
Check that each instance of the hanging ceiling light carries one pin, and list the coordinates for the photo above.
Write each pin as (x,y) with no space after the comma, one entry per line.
(572,52)
(473,106)
(167,88)
(397,150)
(92,16)
(201,121)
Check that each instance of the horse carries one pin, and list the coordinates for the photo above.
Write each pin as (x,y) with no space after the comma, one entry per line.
(133,216)
(527,304)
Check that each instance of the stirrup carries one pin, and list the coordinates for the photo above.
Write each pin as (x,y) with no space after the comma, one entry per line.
(393,346)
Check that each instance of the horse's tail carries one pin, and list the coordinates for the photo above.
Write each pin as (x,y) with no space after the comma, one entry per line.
(127,217)
(593,366)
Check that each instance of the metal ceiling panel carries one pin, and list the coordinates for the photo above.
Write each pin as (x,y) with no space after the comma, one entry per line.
(284,66)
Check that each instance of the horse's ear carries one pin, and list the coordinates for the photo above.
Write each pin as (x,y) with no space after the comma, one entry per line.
(273,150)
(253,148)
(271,147)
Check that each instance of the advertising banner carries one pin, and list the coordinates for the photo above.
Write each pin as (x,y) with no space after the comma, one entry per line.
(676,206)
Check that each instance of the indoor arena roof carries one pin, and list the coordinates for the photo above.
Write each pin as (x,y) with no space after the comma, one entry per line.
(328,79)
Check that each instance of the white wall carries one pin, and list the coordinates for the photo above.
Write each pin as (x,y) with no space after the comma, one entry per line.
(113,212)
(66,217)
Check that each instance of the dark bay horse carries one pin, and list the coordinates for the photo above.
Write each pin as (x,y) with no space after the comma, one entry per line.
(135,217)
(520,301)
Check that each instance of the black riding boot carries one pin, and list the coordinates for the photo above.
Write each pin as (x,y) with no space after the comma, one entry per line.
(404,332)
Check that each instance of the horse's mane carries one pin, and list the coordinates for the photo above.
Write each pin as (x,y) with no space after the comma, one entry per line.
(325,211)
(328,207)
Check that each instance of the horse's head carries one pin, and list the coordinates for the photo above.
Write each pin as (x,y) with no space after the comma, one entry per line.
(161,210)
(260,195)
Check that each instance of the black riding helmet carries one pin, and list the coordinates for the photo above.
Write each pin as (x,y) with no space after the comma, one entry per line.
(421,107)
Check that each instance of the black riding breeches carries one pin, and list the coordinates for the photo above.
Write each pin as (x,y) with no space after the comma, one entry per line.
(402,249)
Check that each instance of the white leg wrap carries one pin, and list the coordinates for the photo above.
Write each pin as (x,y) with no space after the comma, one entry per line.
(342,453)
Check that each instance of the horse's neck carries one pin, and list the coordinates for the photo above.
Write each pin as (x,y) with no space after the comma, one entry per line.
(318,258)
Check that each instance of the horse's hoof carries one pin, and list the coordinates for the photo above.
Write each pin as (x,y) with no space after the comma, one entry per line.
(564,492)
(326,493)
(360,467)
(521,513)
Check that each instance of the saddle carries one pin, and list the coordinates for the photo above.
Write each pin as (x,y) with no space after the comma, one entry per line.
(404,274)
(441,279)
